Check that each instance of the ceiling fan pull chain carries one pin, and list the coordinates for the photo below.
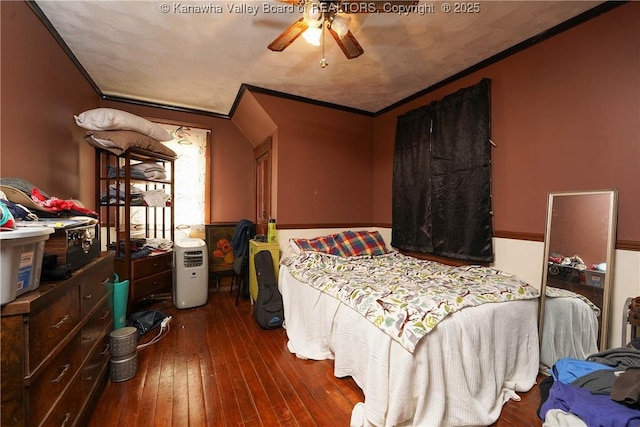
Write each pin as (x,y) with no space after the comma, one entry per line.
(323,62)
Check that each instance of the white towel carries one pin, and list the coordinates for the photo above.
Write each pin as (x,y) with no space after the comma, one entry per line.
(156,198)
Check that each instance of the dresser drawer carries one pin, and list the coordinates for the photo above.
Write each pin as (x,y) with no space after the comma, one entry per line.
(67,410)
(152,284)
(95,327)
(92,291)
(95,367)
(54,379)
(141,268)
(49,326)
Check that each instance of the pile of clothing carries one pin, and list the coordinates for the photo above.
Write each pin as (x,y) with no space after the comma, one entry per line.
(144,247)
(20,200)
(142,170)
(155,197)
(602,390)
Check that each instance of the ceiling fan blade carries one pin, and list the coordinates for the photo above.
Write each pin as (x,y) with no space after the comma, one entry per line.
(349,45)
(364,6)
(288,36)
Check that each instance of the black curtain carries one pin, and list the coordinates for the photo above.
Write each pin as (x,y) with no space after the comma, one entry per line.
(442,177)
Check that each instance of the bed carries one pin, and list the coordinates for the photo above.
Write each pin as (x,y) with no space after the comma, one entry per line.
(458,366)
(570,327)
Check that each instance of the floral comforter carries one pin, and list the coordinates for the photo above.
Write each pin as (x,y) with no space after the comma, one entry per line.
(404,296)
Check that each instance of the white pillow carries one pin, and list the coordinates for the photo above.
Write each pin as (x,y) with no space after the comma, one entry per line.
(289,251)
(111,119)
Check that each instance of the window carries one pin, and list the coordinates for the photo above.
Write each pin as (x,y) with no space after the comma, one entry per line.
(190,144)
(442,177)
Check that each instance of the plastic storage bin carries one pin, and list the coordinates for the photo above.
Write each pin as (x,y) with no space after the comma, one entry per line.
(21,260)
(594,278)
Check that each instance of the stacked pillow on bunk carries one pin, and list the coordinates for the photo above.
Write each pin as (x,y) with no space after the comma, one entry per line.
(115,131)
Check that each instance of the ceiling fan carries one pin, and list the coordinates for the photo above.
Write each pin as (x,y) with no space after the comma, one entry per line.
(321,14)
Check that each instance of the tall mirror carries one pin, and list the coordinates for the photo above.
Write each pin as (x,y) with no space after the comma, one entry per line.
(579,246)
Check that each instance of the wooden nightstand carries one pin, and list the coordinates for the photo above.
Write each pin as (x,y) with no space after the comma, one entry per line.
(254,248)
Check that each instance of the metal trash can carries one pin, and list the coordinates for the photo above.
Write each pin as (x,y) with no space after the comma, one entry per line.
(123,346)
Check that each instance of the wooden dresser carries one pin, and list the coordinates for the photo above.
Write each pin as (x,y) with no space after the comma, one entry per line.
(55,348)
(149,275)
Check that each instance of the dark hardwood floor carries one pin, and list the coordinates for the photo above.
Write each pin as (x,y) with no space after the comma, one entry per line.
(217,367)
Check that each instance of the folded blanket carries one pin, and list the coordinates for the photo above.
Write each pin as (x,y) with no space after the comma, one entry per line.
(139,173)
(157,197)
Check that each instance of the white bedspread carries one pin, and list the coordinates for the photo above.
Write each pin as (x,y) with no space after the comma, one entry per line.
(461,373)
(570,329)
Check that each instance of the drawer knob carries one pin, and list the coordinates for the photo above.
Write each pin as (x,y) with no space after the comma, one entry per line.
(61,322)
(88,296)
(62,374)
(105,315)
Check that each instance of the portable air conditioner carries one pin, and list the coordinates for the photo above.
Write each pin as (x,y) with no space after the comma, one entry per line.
(190,273)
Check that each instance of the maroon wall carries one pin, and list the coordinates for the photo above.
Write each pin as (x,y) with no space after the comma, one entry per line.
(232,180)
(324,163)
(580,226)
(41,91)
(565,116)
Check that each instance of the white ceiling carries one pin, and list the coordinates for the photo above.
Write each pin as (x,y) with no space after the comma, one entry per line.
(133,49)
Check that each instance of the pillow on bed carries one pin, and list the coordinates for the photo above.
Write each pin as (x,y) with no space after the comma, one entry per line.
(112,119)
(118,141)
(354,243)
(325,244)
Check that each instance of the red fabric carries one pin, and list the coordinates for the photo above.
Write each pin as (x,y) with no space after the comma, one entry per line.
(54,204)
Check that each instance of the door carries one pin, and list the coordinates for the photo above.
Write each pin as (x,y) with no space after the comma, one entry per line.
(262,155)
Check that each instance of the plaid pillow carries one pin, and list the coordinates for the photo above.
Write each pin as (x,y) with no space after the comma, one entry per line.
(353,243)
(324,244)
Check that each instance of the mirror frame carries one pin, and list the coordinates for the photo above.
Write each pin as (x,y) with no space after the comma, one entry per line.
(608,277)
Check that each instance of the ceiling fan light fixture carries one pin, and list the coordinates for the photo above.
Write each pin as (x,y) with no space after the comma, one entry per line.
(313,29)
(340,25)
(313,35)
(313,11)
(313,23)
